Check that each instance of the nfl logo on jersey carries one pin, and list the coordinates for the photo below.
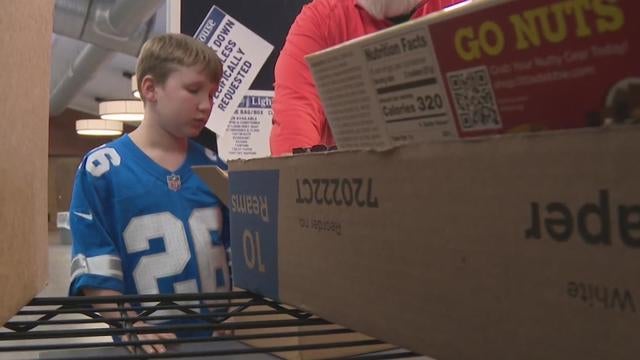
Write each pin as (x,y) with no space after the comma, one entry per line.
(173,181)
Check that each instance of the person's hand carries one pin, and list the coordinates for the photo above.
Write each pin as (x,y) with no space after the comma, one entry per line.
(224,332)
(150,348)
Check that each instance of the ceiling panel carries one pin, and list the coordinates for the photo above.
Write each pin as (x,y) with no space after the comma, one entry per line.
(107,82)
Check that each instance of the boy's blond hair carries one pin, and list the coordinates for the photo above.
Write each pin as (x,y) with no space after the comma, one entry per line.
(161,55)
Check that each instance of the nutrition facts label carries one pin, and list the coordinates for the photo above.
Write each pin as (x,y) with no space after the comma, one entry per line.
(410,97)
(349,103)
(384,92)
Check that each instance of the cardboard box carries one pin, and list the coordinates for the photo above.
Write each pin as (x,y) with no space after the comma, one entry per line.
(489,67)
(516,247)
(25,38)
(218,181)
(330,353)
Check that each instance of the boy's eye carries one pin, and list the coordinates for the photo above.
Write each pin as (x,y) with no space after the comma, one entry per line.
(193,91)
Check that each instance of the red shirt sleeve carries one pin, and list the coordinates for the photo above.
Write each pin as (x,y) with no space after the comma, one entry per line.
(299,118)
(430,6)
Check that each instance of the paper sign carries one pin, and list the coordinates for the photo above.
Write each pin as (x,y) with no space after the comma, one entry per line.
(243,53)
(247,135)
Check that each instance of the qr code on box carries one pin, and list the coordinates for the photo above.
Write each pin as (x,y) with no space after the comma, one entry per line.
(474,99)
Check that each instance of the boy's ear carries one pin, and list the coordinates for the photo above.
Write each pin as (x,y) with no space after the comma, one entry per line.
(148,88)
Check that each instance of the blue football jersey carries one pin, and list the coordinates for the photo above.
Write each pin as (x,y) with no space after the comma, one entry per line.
(138,228)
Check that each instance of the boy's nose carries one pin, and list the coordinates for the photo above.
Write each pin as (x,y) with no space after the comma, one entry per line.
(206,104)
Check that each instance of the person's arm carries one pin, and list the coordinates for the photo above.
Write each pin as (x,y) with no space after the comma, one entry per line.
(116,315)
(299,117)
(434,5)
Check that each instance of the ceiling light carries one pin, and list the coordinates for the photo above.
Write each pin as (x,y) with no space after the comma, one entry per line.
(122,110)
(134,87)
(98,127)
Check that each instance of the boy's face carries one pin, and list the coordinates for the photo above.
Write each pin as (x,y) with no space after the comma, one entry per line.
(184,101)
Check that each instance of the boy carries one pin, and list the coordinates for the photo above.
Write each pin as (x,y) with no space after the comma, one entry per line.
(142,222)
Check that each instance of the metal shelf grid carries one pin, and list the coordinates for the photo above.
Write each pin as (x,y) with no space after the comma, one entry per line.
(52,324)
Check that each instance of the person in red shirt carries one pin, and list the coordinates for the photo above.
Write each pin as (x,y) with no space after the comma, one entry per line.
(299,120)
